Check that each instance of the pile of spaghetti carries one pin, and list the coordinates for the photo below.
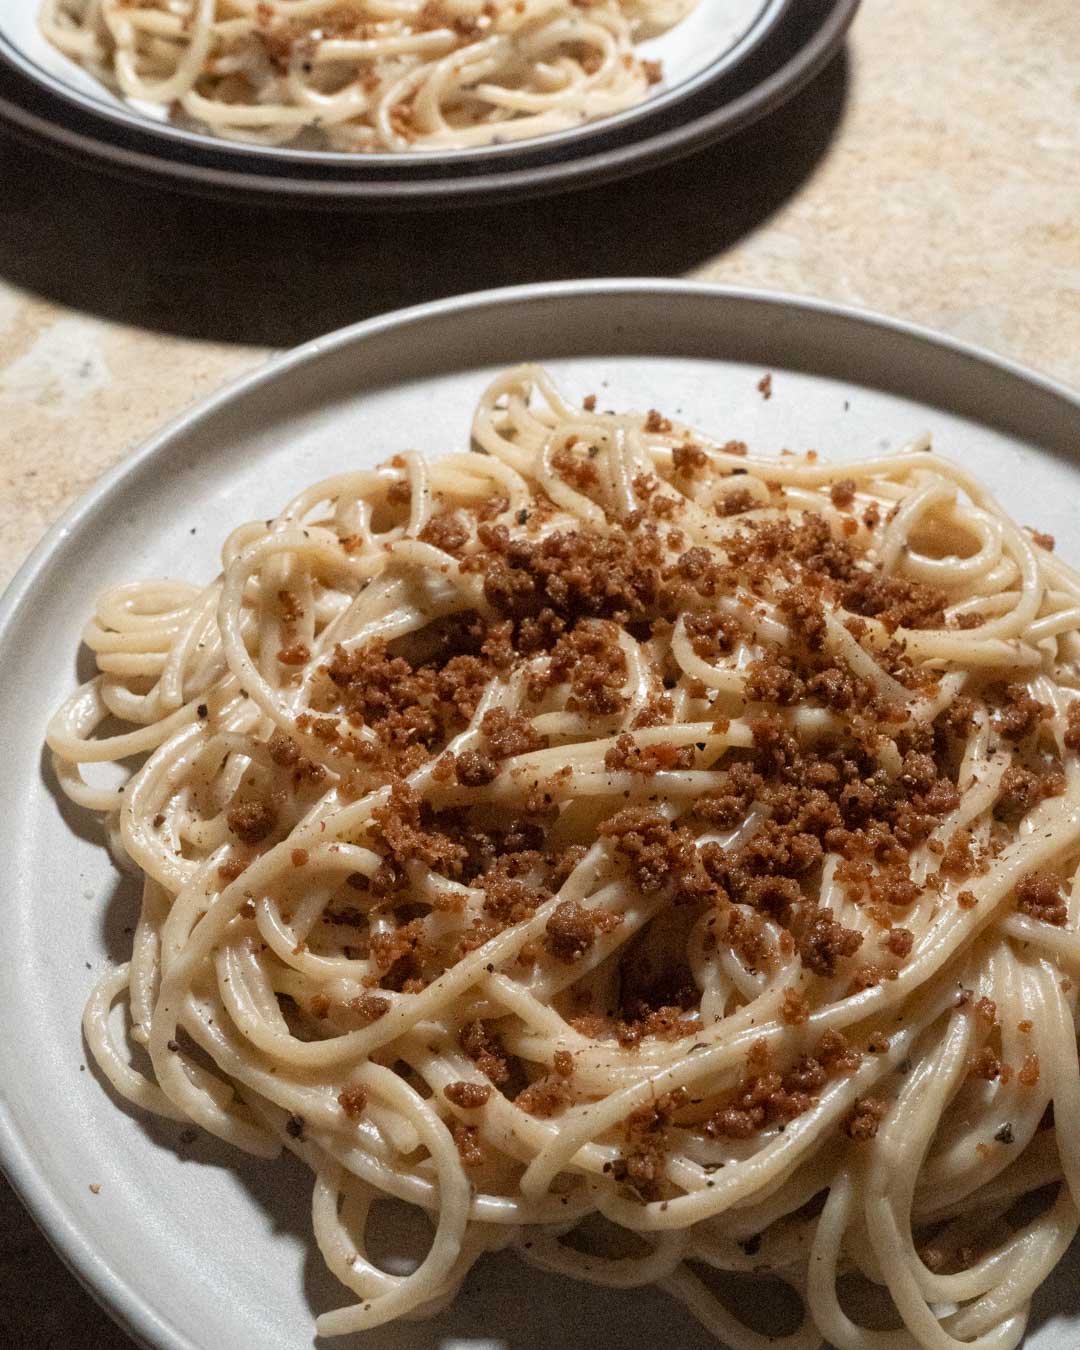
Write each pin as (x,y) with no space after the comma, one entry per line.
(609,825)
(370,75)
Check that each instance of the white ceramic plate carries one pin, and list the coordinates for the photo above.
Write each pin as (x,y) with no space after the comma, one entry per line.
(790,46)
(707,44)
(190,1245)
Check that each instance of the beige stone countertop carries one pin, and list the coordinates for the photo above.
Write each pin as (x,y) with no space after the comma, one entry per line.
(930,172)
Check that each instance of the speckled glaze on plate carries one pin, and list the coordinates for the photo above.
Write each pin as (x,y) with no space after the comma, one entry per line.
(794,45)
(190,1245)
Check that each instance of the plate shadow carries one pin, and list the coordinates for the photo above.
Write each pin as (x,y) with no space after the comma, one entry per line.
(146,257)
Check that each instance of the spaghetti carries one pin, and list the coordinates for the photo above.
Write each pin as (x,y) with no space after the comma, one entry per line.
(370,75)
(608,826)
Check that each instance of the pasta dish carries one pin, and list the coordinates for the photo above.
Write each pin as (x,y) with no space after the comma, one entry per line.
(652,857)
(370,75)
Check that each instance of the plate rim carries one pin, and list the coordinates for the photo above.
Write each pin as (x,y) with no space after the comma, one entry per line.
(560,174)
(769,15)
(106,1284)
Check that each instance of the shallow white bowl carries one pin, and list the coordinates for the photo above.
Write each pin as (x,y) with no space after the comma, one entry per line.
(706,45)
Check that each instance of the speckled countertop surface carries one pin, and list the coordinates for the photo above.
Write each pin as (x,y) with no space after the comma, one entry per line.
(930,172)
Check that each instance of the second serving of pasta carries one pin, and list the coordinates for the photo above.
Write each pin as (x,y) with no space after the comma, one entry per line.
(370,75)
